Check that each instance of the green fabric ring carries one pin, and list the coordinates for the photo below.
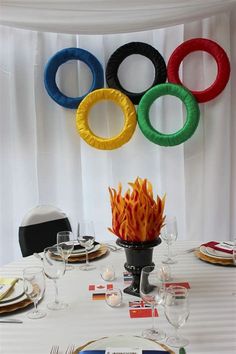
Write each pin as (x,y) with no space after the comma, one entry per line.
(192,118)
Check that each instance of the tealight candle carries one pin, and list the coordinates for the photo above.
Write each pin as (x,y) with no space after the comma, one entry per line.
(113,297)
(108,273)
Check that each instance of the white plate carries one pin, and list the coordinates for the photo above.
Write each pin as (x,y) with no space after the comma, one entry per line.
(16,295)
(123,341)
(210,252)
(75,253)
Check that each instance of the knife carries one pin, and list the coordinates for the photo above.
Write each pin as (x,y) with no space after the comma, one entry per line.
(11,320)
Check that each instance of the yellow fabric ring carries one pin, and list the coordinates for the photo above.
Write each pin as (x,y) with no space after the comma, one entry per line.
(129,115)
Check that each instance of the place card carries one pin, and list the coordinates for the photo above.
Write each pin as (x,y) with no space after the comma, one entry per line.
(123,351)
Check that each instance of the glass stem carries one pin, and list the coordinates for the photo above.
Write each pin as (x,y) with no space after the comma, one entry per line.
(56,291)
(87,259)
(35,306)
(176,333)
(168,250)
(153,316)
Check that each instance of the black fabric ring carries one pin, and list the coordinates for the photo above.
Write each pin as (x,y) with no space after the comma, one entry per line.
(122,53)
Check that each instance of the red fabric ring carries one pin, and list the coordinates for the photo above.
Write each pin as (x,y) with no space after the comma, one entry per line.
(211,47)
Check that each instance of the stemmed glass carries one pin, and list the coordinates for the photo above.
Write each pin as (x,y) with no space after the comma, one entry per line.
(234,252)
(152,292)
(177,313)
(86,238)
(34,288)
(234,259)
(169,234)
(54,269)
(65,241)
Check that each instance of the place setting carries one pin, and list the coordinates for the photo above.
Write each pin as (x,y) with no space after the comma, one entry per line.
(80,249)
(218,252)
(12,295)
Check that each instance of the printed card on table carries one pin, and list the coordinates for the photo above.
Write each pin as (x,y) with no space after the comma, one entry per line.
(127,278)
(184,284)
(140,309)
(99,290)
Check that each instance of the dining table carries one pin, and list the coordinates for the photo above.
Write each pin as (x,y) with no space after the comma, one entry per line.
(210,328)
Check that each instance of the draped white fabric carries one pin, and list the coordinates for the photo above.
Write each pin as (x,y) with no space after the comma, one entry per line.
(106,16)
(44,160)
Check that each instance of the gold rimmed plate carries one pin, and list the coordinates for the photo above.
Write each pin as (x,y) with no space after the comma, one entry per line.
(123,341)
(213,260)
(16,293)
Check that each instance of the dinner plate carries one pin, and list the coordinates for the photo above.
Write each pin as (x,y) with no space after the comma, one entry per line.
(124,342)
(210,252)
(16,294)
(75,253)
(217,253)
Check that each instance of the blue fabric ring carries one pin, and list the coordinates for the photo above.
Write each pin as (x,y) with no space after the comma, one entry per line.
(60,58)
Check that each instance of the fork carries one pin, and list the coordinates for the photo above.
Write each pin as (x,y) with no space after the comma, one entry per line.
(70,349)
(55,349)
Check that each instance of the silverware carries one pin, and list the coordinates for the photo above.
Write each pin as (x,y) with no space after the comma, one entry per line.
(55,349)
(70,349)
(113,248)
(190,250)
(11,320)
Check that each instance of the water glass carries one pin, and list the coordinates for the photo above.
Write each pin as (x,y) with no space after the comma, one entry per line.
(177,313)
(34,288)
(66,242)
(54,268)
(86,238)
(152,291)
(169,234)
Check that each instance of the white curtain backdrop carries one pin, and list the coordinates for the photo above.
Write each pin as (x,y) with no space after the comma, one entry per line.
(44,160)
(106,16)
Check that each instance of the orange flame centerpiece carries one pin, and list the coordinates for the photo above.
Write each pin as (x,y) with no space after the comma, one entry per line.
(137,220)
(136,216)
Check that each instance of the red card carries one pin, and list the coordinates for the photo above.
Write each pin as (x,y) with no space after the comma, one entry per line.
(142,313)
(140,309)
(184,284)
(100,287)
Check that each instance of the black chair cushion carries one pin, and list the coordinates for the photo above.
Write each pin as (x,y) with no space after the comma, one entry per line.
(34,238)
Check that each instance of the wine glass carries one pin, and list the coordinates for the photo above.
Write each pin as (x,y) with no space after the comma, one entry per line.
(65,241)
(34,288)
(86,238)
(54,268)
(177,313)
(234,252)
(169,234)
(152,292)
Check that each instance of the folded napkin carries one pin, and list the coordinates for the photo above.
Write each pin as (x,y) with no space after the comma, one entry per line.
(143,352)
(6,284)
(220,246)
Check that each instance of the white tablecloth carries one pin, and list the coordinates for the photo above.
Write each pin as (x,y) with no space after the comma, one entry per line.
(211,327)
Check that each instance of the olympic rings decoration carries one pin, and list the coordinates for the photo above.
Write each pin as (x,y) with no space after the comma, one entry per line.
(63,56)
(129,113)
(191,122)
(218,53)
(134,48)
(126,99)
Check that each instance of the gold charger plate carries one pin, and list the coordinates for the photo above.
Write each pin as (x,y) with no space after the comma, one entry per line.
(92,255)
(14,307)
(213,260)
(77,350)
